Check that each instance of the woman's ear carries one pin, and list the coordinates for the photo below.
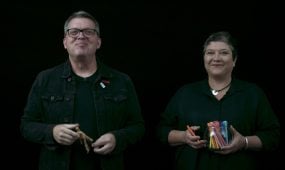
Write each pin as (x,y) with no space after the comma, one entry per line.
(234,63)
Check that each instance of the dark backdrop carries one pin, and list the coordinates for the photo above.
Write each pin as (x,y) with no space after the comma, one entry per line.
(158,44)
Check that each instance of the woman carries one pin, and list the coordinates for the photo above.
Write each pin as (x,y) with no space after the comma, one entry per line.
(253,126)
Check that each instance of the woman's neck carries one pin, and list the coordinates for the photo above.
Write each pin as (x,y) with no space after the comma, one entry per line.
(217,84)
(219,87)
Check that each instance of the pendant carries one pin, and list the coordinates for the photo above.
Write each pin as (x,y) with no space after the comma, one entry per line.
(215,92)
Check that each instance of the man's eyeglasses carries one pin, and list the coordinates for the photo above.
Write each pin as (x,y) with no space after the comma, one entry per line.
(74,32)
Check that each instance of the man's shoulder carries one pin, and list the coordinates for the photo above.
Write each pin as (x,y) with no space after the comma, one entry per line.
(113,72)
(52,71)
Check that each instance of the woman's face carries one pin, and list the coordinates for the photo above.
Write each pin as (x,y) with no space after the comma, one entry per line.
(218,59)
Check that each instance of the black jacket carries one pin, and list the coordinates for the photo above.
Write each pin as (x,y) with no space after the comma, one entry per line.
(51,102)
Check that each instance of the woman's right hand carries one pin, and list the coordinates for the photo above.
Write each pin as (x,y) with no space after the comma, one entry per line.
(193,140)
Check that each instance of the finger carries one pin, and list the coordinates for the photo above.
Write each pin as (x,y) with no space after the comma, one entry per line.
(195,128)
(71,133)
(98,144)
(66,139)
(100,149)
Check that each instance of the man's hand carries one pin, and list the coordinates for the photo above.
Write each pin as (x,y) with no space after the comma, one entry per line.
(64,134)
(105,144)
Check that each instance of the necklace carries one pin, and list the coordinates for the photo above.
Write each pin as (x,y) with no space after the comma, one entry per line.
(216,92)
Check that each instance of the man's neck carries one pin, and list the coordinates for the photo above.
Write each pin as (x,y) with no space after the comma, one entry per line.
(84,68)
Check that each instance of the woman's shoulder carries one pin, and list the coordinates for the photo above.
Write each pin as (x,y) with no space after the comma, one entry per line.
(245,85)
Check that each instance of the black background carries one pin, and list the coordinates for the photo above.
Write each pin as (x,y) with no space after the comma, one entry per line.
(158,44)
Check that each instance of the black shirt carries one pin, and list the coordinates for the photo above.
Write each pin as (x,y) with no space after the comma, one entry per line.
(85,115)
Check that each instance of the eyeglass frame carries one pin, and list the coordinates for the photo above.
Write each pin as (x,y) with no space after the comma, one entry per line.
(81,30)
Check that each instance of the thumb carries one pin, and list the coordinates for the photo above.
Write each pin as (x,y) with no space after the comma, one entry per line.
(232,128)
(71,126)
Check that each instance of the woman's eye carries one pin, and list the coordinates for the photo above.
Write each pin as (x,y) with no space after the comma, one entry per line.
(210,53)
(224,53)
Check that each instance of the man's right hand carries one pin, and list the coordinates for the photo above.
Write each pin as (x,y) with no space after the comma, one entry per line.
(64,133)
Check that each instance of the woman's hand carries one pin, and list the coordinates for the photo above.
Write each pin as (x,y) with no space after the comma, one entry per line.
(237,143)
(193,140)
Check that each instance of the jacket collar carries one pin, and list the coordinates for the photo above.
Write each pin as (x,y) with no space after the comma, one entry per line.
(104,72)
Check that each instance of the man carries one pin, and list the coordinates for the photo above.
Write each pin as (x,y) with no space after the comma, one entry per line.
(84,113)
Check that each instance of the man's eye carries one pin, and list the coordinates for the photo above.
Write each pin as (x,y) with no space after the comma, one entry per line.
(73,32)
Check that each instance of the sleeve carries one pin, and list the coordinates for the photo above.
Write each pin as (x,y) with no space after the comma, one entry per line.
(168,119)
(134,128)
(268,127)
(32,125)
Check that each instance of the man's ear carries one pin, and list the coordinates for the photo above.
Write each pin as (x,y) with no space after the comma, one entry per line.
(64,42)
(99,42)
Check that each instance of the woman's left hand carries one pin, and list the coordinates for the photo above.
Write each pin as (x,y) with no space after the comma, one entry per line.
(237,143)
